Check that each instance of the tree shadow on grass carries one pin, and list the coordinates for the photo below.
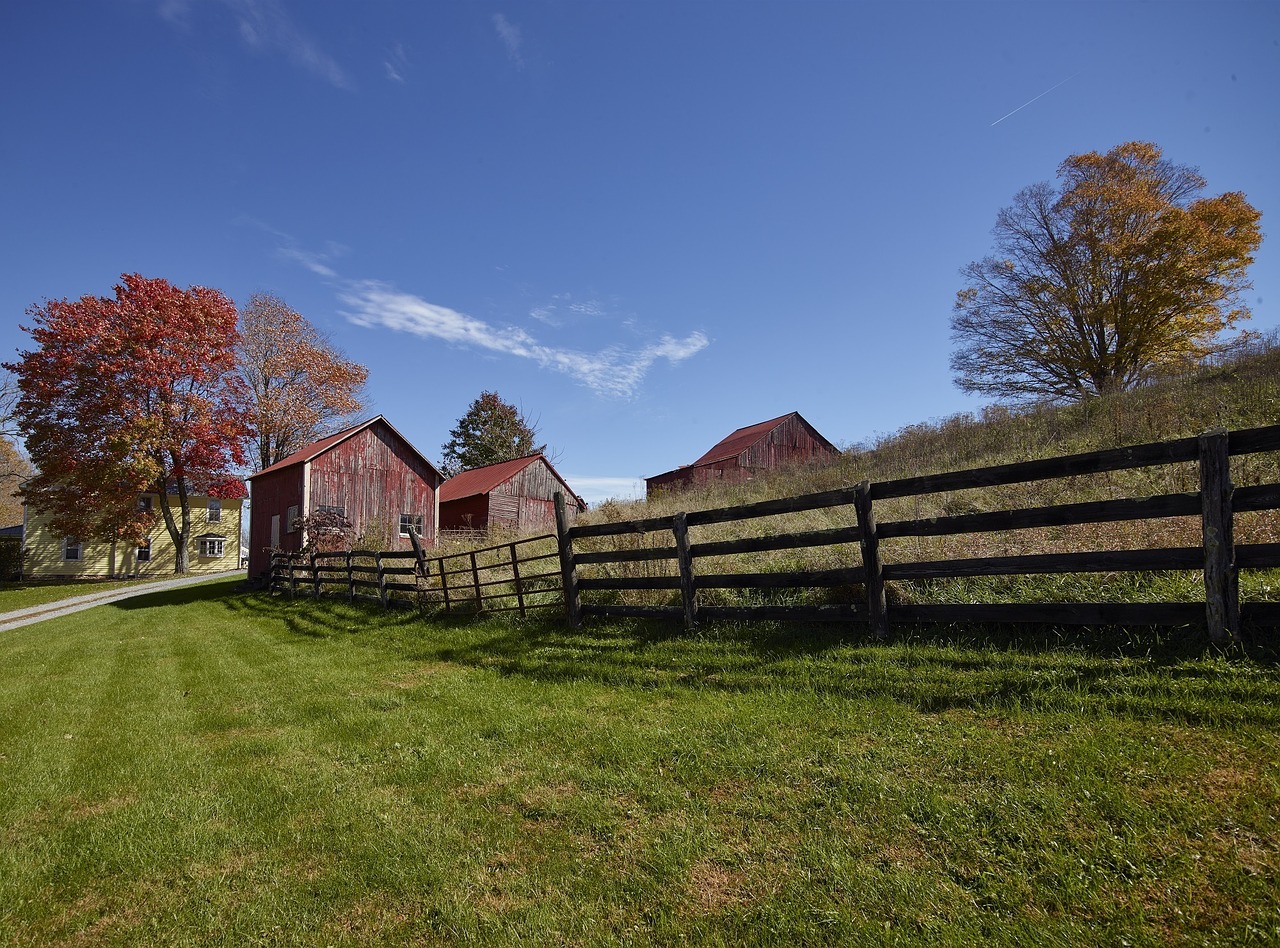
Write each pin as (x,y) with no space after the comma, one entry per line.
(181,596)
(1147,674)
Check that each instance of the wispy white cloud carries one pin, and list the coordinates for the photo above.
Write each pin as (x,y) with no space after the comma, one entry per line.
(616,371)
(596,489)
(396,65)
(264,26)
(511,38)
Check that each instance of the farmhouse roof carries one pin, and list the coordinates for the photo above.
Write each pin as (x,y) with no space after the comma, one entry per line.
(744,438)
(317,448)
(481,480)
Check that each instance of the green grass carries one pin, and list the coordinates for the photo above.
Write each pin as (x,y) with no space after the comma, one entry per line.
(23,594)
(200,767)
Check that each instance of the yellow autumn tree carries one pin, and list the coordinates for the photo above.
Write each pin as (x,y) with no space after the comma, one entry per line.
(302,386)
(1121,270)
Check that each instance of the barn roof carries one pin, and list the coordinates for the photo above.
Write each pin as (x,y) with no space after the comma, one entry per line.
(481,480)
(747,437)
(317,448)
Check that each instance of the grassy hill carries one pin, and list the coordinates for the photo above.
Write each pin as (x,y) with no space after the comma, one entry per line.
(1241,392)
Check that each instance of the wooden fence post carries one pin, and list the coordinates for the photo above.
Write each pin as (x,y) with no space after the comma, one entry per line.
(444,585)
(420,560)
(568,572)
(515,578)
(351,579)
(293,579)
(877,611)
(475,582)
(315,576)
(382,579)
(684,559)
(1221,581)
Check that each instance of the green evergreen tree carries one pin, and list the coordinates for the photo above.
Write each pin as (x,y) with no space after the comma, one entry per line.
(490,432)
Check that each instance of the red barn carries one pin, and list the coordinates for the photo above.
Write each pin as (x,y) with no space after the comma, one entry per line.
(517,495)
(368,474)
(762,447)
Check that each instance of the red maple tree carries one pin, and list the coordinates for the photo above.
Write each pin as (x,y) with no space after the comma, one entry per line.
(130,395)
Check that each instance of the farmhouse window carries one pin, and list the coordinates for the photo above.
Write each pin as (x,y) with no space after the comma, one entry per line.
(144,503)
(212,546)
(291,521)
(71,549)
(144,551)
(409,522)
(215,511)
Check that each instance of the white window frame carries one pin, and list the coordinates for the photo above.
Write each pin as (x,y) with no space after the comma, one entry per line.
(414,522)
(215,511)
(144,552)
(213,548)
(291,519)
(68,545)
(145,503)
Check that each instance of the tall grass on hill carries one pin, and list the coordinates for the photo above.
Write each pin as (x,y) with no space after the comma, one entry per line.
(1239,392)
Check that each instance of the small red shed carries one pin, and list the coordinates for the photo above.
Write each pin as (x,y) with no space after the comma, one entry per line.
(516,495)
(766,446)
(368,474)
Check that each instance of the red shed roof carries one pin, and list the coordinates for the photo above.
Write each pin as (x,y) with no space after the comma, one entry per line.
(481,480)
(316,448)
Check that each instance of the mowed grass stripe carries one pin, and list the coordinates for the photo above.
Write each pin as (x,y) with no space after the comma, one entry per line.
(266,772)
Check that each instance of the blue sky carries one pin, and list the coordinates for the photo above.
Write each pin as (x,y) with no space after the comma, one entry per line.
(646,223)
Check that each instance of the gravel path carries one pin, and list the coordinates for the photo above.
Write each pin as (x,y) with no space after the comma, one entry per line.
(52,610)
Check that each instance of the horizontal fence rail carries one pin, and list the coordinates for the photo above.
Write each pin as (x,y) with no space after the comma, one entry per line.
(586,568)
(600,560)
(518,576)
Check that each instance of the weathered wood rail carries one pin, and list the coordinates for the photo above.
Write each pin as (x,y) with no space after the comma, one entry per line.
(505,577)
(1216,503)
(600,561)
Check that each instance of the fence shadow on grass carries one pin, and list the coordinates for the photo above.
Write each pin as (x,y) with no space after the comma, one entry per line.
(1148,674)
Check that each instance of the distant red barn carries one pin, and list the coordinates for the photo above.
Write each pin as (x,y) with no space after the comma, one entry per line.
(518,495)
(369,474)
(771,444)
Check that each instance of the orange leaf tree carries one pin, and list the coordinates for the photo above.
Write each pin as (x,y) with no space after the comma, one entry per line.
(130,395)
(1094,285)
(300,385)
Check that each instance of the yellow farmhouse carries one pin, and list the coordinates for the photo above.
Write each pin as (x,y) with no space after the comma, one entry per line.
(214,544)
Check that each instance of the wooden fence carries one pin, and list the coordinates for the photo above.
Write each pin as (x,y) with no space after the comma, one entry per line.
(505,577)
(515,576)
(1216,503)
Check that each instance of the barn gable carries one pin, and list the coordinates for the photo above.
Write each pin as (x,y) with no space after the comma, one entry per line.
(517,494)
(764,446)
(369,474)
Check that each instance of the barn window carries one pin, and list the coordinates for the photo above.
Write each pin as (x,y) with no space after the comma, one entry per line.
(335,511)
(212,546)
(144,551)
(291,521)
(409,522)
(215,511)
(71,549)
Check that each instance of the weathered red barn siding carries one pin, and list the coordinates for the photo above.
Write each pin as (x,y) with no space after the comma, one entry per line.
(469,513)
(272,495)
(523,501)
(375,480)
(767,446)
(369,470)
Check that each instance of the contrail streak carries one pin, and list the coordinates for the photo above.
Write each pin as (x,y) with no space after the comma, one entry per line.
(1029,101)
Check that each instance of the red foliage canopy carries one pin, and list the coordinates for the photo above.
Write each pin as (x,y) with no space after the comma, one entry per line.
(136,394)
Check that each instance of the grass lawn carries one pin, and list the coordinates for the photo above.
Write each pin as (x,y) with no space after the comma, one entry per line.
(206,767)
(22,594)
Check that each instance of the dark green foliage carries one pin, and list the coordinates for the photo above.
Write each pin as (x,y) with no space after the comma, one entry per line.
(490,432)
